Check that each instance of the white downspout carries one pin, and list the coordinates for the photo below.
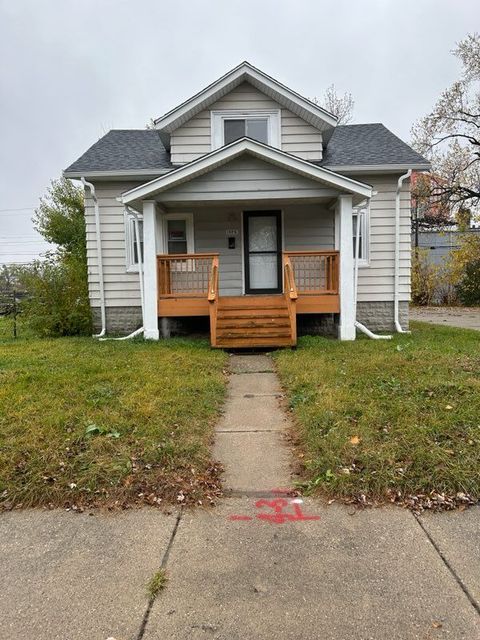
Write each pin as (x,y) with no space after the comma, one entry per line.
(361,327)
(139,331)
(396,282)
(98,237)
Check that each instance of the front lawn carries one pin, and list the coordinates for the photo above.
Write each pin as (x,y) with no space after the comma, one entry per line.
(107,423)
(388,420)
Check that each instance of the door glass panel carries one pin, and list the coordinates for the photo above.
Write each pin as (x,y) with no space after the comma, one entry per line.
(262,252)
(234,129)
(262,233)
(263,271)
(177,236)
(257,129)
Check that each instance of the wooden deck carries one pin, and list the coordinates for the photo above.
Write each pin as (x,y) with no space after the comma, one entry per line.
(188,286)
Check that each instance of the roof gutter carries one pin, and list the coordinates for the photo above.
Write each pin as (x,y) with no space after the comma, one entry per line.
(98,238)
(396,284)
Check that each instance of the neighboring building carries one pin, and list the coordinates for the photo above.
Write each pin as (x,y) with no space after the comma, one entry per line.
(439,244)
(250,198)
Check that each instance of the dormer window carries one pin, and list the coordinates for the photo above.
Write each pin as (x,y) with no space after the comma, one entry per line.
(231,125)
(255,128)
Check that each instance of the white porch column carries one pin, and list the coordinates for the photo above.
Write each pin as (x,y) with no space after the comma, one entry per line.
(344,236)
(150,320)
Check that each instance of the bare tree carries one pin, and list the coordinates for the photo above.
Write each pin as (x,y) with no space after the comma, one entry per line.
(340,106)
(450,135)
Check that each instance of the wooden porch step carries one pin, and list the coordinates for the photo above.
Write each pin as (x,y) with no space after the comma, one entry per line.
(252,313)
(269,322)
(248,342)
(253,321)
(251,302)
(254,332)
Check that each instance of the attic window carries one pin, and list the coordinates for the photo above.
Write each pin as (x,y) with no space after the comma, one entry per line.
(231,125)
(255,128)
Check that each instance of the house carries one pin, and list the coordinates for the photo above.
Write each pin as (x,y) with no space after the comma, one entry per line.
(253,209)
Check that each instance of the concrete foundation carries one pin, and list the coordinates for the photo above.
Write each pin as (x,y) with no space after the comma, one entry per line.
(377,316)
(120,320)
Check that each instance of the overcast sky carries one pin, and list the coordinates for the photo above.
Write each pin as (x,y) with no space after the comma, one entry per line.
(71,70)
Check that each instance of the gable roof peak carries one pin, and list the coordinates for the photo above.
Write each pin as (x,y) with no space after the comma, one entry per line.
(245,71)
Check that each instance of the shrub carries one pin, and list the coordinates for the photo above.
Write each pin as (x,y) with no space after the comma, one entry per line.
(57,291)
(468,288)
(462,272)
(425,278)
(57,298)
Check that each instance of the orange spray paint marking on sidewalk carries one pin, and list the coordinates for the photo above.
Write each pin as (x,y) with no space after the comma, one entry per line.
(278,515)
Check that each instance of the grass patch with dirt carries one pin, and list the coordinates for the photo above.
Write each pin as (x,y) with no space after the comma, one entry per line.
(107,423)
(392,420)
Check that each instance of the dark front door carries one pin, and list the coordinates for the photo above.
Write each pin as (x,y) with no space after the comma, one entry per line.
(263,251)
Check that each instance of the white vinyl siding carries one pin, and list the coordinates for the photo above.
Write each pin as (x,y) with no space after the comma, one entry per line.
(193,139)
(306,227)
(244,178)
(375,282)
(121,288)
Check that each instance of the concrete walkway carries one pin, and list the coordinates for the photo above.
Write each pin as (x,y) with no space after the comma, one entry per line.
(250,437)
(260,566)
(461,317)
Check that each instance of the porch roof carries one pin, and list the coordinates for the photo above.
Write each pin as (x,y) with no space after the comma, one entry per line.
(245,146)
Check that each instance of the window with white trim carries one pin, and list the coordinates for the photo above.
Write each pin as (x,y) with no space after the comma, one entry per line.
(131,246)
(361,227)
(231,125)
(178,233)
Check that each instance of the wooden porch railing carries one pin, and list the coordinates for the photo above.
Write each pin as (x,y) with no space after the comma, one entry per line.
(213,300)
(186,275)
(314,272)
(291,295)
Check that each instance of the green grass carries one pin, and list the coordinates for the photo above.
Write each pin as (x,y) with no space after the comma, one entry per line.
(157,583)
(388,420)
(7,328)
(107,423)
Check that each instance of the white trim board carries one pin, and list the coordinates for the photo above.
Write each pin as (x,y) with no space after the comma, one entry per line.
(217,119)
(377,168)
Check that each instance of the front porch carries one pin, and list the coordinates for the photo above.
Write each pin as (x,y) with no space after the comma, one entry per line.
(250,237)
(188,285)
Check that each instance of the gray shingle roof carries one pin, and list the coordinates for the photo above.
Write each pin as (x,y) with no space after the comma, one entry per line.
(124,150)
(368,144)
(142,150)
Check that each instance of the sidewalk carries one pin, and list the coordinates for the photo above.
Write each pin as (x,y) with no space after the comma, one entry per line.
(258,566)
(461,317)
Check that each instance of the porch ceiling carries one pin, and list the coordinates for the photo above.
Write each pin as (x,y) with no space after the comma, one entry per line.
(296,180)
